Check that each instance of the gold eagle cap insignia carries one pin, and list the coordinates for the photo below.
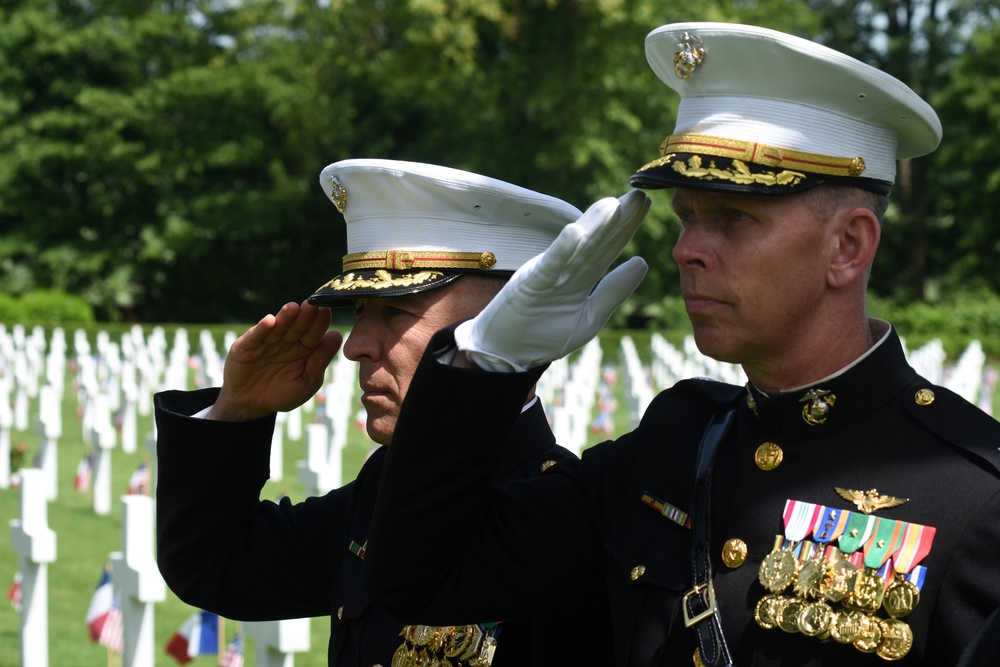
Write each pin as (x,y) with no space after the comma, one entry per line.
(871,500)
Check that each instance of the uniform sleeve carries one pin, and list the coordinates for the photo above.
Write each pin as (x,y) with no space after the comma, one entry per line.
(447,546)
(970,591)
(219,546)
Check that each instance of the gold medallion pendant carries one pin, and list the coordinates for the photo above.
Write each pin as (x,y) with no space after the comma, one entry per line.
(788,616)
(867,592)
(901,598)
(871,635)
(815,619)
(897,639)
(447,646)
(809,580)
(768,609)
(838,580)
(777,570)
(403,657)
(847,627)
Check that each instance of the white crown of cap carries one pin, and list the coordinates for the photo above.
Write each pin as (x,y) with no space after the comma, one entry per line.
(764,86)
(397,205)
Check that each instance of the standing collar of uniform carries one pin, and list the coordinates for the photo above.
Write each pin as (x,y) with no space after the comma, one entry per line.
(840,399)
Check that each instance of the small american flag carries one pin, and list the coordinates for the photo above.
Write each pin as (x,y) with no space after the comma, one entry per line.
(84,474)
(14,592)
(111,633)
(233,656)
(138,484)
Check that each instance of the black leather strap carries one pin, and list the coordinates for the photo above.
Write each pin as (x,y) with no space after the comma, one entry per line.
(700,610)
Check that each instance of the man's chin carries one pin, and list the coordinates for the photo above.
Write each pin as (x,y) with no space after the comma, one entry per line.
(380,431)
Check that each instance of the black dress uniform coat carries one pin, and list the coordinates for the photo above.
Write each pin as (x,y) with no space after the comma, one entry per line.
(603,522)
(222,549)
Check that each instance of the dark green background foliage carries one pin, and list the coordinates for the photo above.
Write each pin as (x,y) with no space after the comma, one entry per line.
(159,160)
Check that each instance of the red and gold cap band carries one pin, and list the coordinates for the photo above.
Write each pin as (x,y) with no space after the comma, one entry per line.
(404,260)
(762,154)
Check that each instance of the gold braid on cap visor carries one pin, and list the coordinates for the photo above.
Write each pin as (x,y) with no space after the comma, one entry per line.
(404,260)
(741,152)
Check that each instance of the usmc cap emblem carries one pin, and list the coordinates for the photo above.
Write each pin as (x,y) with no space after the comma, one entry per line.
(338,193)
(692,52)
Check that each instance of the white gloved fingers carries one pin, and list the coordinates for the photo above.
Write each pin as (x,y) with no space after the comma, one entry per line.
(613,290)
(609,294)
(550,306)
(634,207)
(584,249)
(609,234)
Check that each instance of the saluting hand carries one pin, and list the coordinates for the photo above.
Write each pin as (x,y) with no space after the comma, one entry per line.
(558,301)
(277,364)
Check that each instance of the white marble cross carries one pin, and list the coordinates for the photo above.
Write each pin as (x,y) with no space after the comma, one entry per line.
(32,538)
(278,641)
(135,576)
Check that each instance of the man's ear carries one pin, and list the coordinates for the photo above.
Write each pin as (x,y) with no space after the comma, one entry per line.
(856,237)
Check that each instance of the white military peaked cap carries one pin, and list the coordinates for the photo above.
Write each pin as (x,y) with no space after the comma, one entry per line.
(766,112)
(413,227)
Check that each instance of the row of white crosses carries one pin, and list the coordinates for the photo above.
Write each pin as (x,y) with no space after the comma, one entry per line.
(969,376)
(129,372)
(134,575)
(25,374)
(568,389)
(326,438)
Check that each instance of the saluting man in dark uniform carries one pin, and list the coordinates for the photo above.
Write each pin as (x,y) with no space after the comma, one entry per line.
(428,246)
(839,509)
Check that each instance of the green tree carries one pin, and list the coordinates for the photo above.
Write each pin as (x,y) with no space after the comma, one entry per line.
(160,159)
(918,42)
(145,165)
(965,240)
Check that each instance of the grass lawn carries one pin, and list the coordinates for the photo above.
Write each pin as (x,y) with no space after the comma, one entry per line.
(84,540)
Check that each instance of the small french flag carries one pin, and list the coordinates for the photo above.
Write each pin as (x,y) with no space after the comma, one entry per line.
(101,605)
(199,635)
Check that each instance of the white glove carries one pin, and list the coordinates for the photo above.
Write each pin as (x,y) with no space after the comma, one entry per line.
(550,307)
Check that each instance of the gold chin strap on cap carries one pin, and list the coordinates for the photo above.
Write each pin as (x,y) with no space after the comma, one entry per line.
(404,260)
(756,153)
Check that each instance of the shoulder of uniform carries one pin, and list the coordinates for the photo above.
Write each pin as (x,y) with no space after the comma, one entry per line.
(696,394)
(721,393)
(956,421)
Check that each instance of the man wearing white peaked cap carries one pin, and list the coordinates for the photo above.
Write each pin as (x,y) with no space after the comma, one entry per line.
(427,246)
(838,509)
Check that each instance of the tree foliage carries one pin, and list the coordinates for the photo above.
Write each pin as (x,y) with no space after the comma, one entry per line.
(160,159)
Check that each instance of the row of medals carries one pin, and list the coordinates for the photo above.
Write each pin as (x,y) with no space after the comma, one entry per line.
(447,646)
(833,598)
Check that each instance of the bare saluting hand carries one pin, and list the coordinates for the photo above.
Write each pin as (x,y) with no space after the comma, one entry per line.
(277,364)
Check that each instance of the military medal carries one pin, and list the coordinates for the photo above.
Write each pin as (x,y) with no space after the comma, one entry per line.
(430,646)
(788,616)
(403,657)
(871,635)
(901,598)
(810,578)
(815,619)
(767,610)
(462,641)
(897,639)
(867,592)
(846,627)
(777,570)
(838,580)
(844,569)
